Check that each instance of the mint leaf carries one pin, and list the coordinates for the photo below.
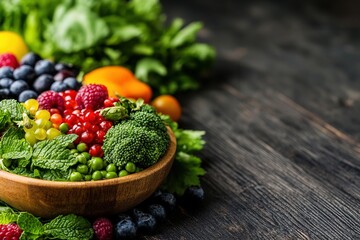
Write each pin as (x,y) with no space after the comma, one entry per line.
(56,175)
(28,223)
(69,227)
(15,108)
(14,146)
(53,154)
(5,119)
(8,217)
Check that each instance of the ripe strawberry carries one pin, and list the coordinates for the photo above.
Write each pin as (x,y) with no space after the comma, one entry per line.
(10,231)
(50,99)
(8,59)
(103,229)
(92,96)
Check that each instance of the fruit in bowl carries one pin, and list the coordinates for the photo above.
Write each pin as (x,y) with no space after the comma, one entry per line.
(103,155)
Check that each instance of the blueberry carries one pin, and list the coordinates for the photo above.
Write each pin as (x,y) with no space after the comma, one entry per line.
(137,213)
(192,197)
(59,87)
(146,223)
(68,67)
(4,93)
(18,86)
(30,59)
(6,82)
(72,83)
(60,76)
(6,72)
(44,67)
(25,72)
(125,229)
(26,95)
(168,200)
(43,83)
(121,217)
(158,211)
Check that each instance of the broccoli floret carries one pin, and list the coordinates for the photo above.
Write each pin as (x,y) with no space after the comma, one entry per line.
(142,139)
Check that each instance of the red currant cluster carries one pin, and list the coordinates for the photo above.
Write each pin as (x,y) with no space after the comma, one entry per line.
(88,124)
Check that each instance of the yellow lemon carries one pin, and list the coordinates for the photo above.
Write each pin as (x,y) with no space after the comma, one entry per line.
(11,42)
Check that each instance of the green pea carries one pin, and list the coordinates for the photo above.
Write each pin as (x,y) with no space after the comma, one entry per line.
(111,168)
(130,167)
(81,159)
(86,155)
(123,173)
(75,177)
(82,169)
(73,151)
(111,175)
(96,175)
(64,127)
(97,163)
(88,177)
(81,147)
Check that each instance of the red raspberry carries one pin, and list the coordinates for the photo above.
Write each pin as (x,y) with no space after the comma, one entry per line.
(10,231)
(92,96)
(50,99)
(8,59)
(103,229)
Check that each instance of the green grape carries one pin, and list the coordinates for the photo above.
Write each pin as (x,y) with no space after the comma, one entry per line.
(52,133)
(30,127)
(32,106)
(48,125)
(42,114)
(40,134)
(30,137)
(40,123)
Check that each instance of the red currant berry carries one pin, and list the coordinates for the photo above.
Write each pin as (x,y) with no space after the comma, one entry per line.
(87,125)
(96,150)
(54,110)
(105,125)
(94,128)
(71,93)
(71,120)
(100,135)
(67,112)
(108,103)
(87,137)
(90,116)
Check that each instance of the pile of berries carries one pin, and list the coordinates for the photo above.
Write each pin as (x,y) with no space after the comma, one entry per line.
(72,112)
(33,76)
(145,218)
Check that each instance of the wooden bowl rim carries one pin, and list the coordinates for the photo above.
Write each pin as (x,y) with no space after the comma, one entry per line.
(166,158)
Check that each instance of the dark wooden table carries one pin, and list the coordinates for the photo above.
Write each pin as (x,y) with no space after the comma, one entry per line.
(282,115)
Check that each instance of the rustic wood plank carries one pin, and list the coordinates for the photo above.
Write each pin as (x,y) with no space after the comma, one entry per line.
(282,156)
(275,171)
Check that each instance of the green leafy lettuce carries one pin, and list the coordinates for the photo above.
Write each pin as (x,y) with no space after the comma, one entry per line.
(186,170)
(94,33)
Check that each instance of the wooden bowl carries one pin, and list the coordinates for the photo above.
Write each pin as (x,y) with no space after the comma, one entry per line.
(94,198)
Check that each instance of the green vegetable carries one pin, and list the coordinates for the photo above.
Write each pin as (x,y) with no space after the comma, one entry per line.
(53,154)
(68,227)
(94,33)
(186,170)
(141,139)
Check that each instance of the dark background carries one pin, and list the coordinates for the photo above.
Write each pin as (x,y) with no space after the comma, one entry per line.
(281,108)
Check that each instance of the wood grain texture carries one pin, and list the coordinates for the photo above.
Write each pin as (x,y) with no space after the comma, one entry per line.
(49,199)
(283,152)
